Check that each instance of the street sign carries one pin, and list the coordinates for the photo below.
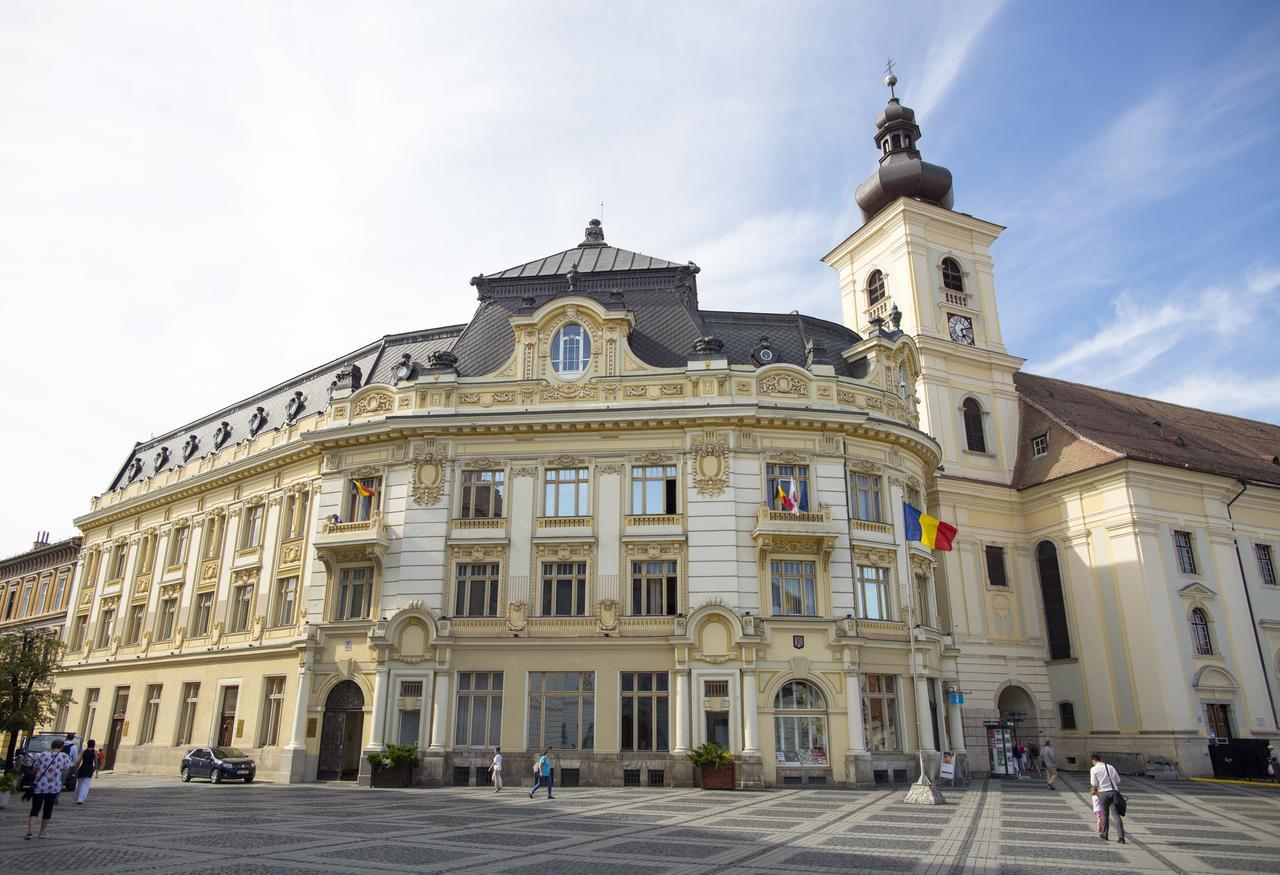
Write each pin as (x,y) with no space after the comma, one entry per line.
(956,698)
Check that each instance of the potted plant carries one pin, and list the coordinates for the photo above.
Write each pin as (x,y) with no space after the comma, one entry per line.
(394,766)
(715,766)
(8,784)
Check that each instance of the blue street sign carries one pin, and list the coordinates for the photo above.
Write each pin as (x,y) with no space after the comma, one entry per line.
(957,698)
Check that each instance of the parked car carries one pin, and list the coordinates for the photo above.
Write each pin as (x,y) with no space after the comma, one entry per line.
(217,764)
(42,741)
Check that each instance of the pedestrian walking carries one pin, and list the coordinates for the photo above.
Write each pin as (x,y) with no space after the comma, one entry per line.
(1104,782)
(51,769)
(495,770)
(1097,811)
(1033,757)
(542,772)
(85,771)
(1049,759)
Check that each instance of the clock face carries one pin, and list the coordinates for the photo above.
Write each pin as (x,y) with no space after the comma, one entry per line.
(961,328)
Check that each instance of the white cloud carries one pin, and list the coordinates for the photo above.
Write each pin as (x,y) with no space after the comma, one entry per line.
(958,27)
(1238,394)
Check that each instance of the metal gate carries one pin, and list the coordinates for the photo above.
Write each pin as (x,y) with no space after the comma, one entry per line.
(343,718)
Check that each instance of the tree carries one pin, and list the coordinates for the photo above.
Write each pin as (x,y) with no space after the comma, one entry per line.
(28,660)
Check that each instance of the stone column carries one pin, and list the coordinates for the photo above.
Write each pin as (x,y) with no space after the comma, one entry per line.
(296,750)
(853,693)
(924,719)
(682,711)
(439,711)
(750,714)
(376,741)
(956,727)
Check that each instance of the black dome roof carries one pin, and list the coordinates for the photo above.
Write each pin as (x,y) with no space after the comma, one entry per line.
(902,172)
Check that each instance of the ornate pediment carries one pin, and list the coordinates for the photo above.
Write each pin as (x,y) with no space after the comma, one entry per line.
(1197,592)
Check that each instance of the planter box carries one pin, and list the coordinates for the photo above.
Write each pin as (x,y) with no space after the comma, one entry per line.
(720,778)
(396,776)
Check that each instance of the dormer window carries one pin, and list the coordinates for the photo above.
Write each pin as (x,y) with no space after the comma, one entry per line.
(875,288)
(952,276)
(570,351)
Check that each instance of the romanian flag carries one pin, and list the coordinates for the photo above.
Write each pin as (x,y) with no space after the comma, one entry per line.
(365,491)
(930,531)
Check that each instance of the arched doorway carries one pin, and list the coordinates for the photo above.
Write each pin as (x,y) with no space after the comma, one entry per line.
(1019,709)
(342,734)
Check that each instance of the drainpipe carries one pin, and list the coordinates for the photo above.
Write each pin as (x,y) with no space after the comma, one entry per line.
(1253,621)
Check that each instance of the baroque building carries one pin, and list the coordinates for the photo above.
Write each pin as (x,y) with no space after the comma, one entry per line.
(600,519)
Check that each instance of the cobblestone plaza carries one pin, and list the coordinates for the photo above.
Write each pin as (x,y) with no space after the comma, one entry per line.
(148,824)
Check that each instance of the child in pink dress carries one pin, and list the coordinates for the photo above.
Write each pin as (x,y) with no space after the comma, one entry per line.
(1097,811)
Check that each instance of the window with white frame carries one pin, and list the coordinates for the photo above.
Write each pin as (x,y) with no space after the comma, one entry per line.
(875,288)
(645,710)
(800,724)
(874,597)
(78,627)
(215,529)
(1040,445)
(106,626)
(476,589)
(150,714)
(251,521)
(952,276)
(1200,637)
(272,707)
(653,490)
(410,727)
(866,504)
(1266,568)
(479,718)
(482,494)
(355,593)
(997,573)
(565,492)
(119,556)
(241,607)
(362,499)
(1182,545)
(166,618)
(285,601)
(570,351)
(794,587)
(294,520)
(64,712)
(42,600)
(201,614)
(564,589)
(654,588)
(187,713)
(178,545)
(133,623)
(60,591)
(880,712)
(562,710)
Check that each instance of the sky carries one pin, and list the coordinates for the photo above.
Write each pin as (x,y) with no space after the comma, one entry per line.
(200,200)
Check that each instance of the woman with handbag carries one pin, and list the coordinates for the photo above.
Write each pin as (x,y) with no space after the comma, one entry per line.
(51,766)
(1104,782)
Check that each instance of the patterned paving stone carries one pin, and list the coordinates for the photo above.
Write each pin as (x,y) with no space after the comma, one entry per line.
(1241,864)
(844,862)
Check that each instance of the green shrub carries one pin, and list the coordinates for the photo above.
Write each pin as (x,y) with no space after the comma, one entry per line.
(710,756)
(395,756)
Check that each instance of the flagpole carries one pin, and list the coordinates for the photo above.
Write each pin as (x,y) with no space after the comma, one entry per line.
(923,792)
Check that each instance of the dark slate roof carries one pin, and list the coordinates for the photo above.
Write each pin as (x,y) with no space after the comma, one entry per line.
(1125,424)
(594,259)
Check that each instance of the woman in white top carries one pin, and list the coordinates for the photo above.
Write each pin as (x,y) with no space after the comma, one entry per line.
(1104,782)
(495,770)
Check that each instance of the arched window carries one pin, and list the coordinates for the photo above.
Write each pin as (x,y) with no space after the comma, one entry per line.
(1055,609)
(800,724)
(570,351)
(952,277)
(1200,633)
(875,288)
(974,436)
(1066,715)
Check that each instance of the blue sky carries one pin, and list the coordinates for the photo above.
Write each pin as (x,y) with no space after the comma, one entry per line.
(199,200)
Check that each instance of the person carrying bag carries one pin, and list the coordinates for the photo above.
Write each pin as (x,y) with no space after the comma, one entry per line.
(1104,782)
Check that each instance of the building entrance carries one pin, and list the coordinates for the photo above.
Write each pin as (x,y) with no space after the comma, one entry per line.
(117,728)
(343,732)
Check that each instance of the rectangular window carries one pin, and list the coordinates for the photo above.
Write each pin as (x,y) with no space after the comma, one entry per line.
(241,607)
(410,713)
(996,575)
(119,555)
(654,589)
(476,590)
(272,706)
(106,626)
(28,598)
(150,715)
(11,605)
(866,498)
(645,709)
(880,711)
(653,490)
(562,710)
(565,492)
(214,530)
(294,524)
(787,485)
(202,614)
(90,712)
(362,499)
(355,592)
(479,717)
(564,589)
(187,714)
(801,739)
(60,591)
(285,598)
(874,595)
(795,588)
(167,618)
(42,600)
(78,626)
(1266,568)
(1040,445)
(133,625)
(1186,555)
(64,712)
(178,545)
(482,493)
(251,527)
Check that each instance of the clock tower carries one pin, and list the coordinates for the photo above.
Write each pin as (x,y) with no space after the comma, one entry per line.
(918,263)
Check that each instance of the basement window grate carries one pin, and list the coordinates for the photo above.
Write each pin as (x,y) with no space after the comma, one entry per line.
(461,776)
(631,777)
(657,777)
(568,777)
